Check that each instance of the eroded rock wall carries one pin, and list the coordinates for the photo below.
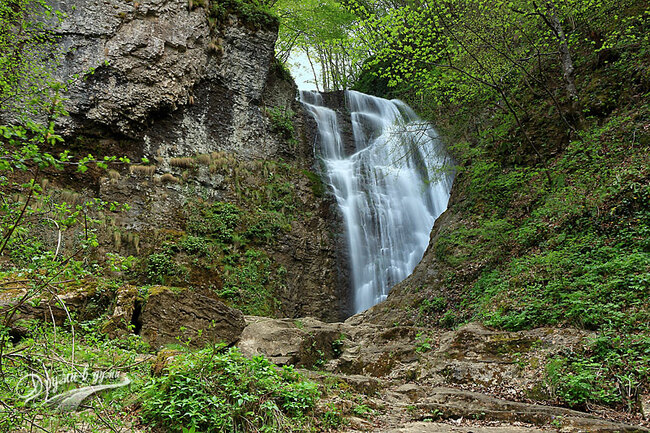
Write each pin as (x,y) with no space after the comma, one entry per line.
(156,79)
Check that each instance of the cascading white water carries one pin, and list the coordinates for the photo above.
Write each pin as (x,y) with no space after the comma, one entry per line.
(390,188)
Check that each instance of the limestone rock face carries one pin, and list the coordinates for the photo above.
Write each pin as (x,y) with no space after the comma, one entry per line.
(188,316)
(155,80)
(146,57)
(140,61)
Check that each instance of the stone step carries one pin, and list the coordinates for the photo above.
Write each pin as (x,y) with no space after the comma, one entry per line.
(449,403)
(433,427)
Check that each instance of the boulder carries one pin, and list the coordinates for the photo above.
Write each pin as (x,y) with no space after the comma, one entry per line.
(190,317)
(305,342)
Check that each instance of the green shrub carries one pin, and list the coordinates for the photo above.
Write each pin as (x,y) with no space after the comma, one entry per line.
(195,245)
(422,343)
(254,13)
(215,391)
(248,283)
(281,121)
(432,306)
(611,368)
(266,226)
(449,320)
(217,221)
(332,418)
(160,266)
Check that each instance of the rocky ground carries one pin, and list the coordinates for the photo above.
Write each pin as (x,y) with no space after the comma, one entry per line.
(372,377)
(421,380)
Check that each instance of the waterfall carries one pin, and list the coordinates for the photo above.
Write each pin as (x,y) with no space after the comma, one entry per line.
(389,186)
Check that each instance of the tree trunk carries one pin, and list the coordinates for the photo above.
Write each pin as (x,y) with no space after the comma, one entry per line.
(568,69)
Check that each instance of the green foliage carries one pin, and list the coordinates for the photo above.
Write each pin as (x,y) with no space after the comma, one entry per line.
(159,267)
(247,283)
(281,121)
(610,370)
(435,305)
(217,221)
(371,80)
(266,225)
(255,14)
(26,39)
(337,346)
(322,31)
(574,255)
(220,390)
(47,235)
(589,286)
(224,237)
(450,320)
(362,411)
(458,246)
(195,245)
(422,343)
(87,346)
(332,418)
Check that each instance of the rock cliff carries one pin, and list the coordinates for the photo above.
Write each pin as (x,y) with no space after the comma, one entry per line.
(201,99)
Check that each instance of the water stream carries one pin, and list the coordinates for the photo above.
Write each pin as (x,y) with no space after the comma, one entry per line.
(389,185)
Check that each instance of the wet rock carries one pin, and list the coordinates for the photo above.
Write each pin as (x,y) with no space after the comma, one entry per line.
(190,317)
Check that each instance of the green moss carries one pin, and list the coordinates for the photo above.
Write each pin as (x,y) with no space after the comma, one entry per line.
(250,283)
(255,15)
(315,182)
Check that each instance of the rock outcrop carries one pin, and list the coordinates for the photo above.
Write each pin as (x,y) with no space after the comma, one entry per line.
(470,378)
(86,299)
(124,314)
(188,317)
(158,79)
(139,62)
